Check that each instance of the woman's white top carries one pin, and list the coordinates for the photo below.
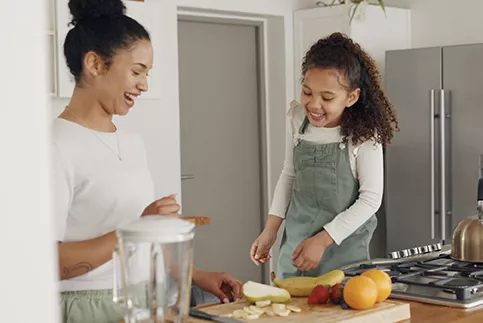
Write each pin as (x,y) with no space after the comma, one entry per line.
(95,192)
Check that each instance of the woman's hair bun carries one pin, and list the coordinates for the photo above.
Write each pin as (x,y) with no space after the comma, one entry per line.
(82,10)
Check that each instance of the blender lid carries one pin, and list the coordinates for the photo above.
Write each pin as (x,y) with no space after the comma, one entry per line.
(157,228)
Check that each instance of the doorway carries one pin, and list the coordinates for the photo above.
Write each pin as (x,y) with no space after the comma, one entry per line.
(222,141)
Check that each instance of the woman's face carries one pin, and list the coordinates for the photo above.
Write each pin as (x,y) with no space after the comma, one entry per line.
(325,97)
(126,78)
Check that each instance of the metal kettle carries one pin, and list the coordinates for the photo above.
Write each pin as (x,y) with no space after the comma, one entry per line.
(467,240)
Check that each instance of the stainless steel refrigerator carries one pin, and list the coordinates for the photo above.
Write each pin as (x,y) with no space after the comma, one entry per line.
(433,165)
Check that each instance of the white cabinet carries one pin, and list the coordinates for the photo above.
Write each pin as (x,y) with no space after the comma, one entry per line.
(144,12)
(375,32)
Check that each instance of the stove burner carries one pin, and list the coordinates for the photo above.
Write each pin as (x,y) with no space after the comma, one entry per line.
(461,282)
(432,277)
(440,273)
(468,264)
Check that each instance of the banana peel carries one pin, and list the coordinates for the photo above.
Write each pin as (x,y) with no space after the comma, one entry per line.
(303,286)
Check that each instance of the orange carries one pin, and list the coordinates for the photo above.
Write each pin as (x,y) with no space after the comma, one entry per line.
(360,293)
(383,283)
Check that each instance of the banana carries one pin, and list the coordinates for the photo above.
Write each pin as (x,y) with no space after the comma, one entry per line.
(296,286)
(331,278)
(303,286)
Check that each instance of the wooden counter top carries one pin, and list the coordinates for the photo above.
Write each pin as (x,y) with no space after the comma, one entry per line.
(427,313)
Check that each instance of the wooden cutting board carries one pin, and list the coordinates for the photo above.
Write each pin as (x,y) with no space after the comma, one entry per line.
(196,220)
(386,312)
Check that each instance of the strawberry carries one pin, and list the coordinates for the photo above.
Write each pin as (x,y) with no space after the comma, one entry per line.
(336,293)
(313,300)
(319,295)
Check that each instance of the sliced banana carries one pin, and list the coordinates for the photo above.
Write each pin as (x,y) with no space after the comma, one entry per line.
(284,313)
(278,307)
(253,312)
(249,310)
(294,308)
(263,303)
(269,312)
(227,315)
(256,310)
(252,317)
(239,314)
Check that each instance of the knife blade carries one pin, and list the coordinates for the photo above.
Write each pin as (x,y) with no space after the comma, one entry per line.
(210,317)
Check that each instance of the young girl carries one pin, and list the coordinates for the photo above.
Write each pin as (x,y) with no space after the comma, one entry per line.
(332,182)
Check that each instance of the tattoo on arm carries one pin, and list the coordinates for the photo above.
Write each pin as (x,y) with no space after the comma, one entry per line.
(76,270)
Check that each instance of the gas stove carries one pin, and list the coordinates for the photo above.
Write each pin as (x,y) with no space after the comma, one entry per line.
(429,275)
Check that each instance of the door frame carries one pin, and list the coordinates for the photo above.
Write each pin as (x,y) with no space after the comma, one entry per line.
(195,15)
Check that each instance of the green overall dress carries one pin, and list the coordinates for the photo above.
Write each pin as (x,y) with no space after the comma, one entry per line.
(323,187)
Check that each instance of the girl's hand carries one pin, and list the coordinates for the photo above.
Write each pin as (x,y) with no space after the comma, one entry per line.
(260,250)
(308,254)
(164,206)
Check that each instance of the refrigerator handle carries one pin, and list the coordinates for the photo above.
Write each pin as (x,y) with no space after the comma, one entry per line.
(442,119)
(431,134)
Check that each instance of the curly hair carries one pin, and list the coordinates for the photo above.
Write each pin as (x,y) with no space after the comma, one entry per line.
(372,116)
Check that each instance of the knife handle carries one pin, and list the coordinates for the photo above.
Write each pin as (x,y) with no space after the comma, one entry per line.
(201,315)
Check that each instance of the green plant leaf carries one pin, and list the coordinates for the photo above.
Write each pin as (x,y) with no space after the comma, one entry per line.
(354,10)
(381,3)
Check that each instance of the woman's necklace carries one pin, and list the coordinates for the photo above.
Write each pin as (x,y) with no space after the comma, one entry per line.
(118,155)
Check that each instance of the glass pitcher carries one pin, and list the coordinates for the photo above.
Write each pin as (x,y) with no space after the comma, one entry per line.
(152,266)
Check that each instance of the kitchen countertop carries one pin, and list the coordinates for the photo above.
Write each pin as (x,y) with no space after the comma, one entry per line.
(427,313)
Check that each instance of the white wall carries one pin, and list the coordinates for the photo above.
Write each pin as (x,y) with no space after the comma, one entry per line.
(304,4)
(446,22)
(28,269)
(435,22)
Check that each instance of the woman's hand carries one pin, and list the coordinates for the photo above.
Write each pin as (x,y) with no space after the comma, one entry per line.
(164,206)
(222,285)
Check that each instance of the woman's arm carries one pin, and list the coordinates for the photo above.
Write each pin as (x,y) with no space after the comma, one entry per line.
(78,258)
(370,173)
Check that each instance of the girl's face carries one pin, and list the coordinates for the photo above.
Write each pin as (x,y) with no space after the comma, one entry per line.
(325,96)
(118,87)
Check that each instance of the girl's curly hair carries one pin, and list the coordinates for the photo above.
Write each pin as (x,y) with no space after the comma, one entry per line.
(372,116)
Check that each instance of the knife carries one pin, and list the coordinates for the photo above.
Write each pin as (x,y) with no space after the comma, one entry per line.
(210,317)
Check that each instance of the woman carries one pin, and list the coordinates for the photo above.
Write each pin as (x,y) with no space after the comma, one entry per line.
(332,182)
(101,175)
